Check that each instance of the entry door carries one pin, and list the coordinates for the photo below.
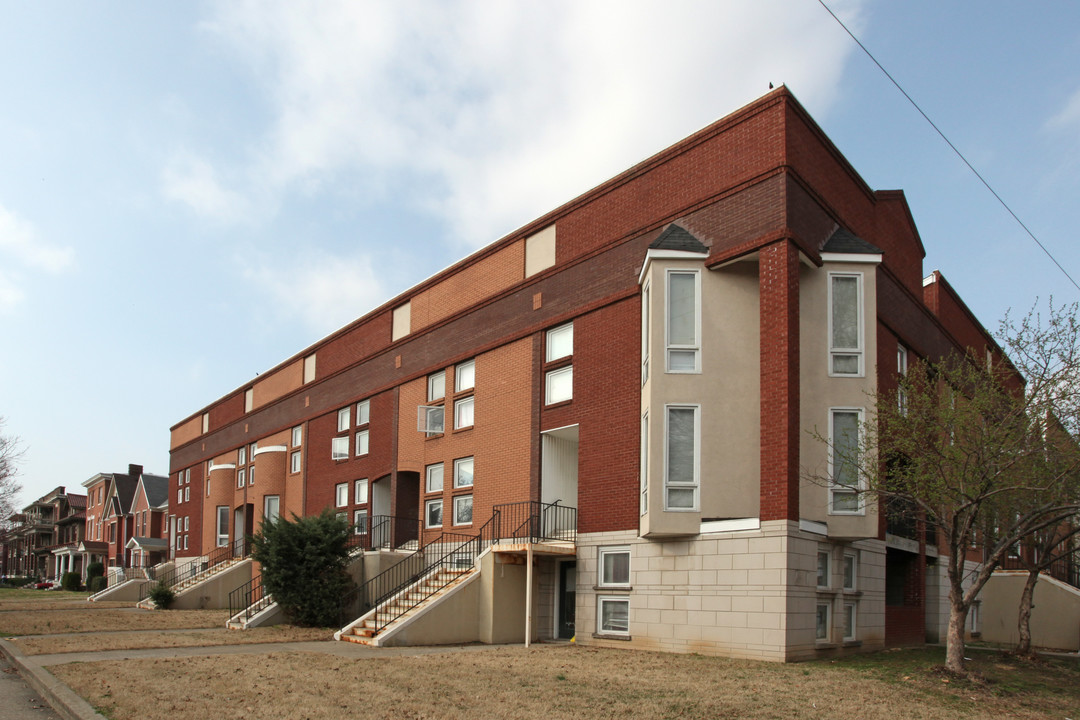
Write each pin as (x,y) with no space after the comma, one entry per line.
(238,530)
(567,599)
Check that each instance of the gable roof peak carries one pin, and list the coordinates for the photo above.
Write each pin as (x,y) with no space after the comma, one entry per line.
(676,237)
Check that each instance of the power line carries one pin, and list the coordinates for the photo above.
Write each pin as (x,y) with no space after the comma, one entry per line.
(953,147)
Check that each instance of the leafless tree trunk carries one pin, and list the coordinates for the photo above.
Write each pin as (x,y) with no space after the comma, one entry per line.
(1027,597)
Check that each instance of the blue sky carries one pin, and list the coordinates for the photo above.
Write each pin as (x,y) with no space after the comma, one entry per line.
(192,192)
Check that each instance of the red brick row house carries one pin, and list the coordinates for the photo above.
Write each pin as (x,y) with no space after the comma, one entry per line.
(42,539)
(125,519)
(652,355)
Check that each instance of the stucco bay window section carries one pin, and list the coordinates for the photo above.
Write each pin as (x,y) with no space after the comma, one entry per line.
(847,303)
(681,470)
(845,425)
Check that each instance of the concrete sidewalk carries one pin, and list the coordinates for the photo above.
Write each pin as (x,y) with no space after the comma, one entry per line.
(71,706)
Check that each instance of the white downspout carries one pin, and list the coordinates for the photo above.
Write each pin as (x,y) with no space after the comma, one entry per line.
(528,594)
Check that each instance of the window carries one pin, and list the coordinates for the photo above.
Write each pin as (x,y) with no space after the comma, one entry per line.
(560,342)
(241,455)
(463,510)
(343,419)
(297,436)
(185,542)
(271,507)
(845,324)
(222,525)
(436,386)
(251,475)
(465,376)
(187,493)
(901,371)
(434,480)
(613,614)
(843,461)
(823,570)
(463,413)
(645,333)
(821,622)
(850,571)
(430,419)
(341,494)
(187,523)
(339,448)
(294,462)
(241,477)
(644,463)
(433,513)
(363,412)
(360,492)
(849,622)
(681,469)
(179,495)
(360,523)
(463,472)
(683,322)
(614,567)
(362,443)
(559,385)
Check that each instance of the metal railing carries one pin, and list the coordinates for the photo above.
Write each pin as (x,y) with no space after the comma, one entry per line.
(249,599)
(433,563)
(384,532)
(238,549)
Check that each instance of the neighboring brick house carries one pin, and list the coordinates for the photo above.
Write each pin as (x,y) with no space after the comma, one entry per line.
(148,544)
(653,353)
(111,522)
(41,536)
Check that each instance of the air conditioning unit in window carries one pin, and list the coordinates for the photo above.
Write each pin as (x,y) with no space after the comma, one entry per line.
(430,419)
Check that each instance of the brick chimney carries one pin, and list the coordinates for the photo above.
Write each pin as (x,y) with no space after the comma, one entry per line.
(134,471)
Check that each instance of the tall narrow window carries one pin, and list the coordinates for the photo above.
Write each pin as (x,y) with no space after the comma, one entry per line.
(465,376)
(271,507)
(294,462)
(844,460)
(845,324)
(681,476)
(362,443)
(297,435)
(683,322)
(463,413)
(901,371)
(343,419)
(434,481)
(360,495)
(645,463)
(341,494)
(436,386)
(644,333)
(222,525)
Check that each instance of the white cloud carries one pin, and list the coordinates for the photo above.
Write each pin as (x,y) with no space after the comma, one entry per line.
(492,113)
(22,251)
(323,291)
(1068,116)
(193,181)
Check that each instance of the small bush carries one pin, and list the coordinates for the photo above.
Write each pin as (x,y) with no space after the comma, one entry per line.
(71,581)
(162,595)
(98,583)
(95,569)
(16,580)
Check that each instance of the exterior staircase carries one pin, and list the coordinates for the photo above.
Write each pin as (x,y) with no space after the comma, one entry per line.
(180,580)
(410,602)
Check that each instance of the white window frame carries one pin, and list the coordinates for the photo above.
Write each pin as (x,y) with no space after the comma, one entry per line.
(241,477)
(646,326)
(363,412)
(341,494)
(836,489)
(459,500)
(436,386)
(459,405)
(266,507)
(901,372)
(344,419)
(360,491)
(644,469)
(187,493)
(851,560)
(826,573)
(187,523)
(361,443)
(360,522)
(603,553)
(550,379)
(179,495)
(222,514)
(241,456)
(554,337)
(296,461)
(298,436)
(459,482)
(430,472)
(860,350)
(694,347)
(465,369)
(826,635)
(850,617)
(428,505)
(696,485)
(602,600)
(339,448)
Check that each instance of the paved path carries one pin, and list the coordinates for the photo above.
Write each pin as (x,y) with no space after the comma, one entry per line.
(17,700)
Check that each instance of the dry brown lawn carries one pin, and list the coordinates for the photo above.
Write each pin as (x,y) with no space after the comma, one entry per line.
(47,644)
(550,682)
(53,621)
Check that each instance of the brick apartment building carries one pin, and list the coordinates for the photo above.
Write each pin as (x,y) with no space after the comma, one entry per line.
(42,538)
(125,523)
(654,354)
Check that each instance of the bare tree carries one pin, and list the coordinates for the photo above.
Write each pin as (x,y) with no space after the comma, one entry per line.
(10,453)
(963,437)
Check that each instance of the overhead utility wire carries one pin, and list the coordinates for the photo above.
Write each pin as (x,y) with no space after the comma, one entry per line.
(949,143)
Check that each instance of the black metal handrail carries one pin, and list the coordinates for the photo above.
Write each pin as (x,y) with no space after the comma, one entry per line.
(384,532)
(249,599)
(533,521)
(239,549)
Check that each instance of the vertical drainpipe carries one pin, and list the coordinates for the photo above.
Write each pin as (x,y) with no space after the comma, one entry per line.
(528,592)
